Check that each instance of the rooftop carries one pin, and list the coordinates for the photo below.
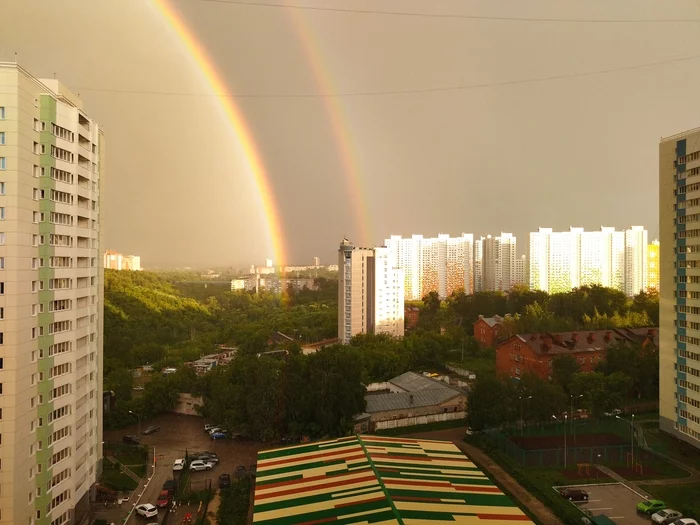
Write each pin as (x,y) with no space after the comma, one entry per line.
(404,400)
(491,321)
(588,340)
(412,382)
(376,479)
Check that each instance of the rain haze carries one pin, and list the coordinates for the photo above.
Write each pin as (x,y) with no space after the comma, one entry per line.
(367,123)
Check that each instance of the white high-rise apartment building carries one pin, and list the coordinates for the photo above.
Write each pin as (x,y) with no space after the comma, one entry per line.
(679,348)
(370,292)
(521,271)
(479,264)
(116,261)
(498,263)
(442,264)
(560,261)
(636,242)
(51,296)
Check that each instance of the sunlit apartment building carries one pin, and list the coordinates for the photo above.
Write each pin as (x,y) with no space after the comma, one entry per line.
(679,354)
(116,261)
(653,266)
(498,263)
(560,261)
(370,292)
(51,295)
(442,264)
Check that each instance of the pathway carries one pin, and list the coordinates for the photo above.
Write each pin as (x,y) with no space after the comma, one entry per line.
(527,500)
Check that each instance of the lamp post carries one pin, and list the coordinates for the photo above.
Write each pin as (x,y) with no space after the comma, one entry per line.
(572,397)
(137,417)
(559,421)
(521,412)
(631,424)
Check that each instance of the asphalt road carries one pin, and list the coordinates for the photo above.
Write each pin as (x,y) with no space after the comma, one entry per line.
(615,501)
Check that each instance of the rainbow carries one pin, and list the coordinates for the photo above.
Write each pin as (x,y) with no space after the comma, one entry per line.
(234,116)
(339,124)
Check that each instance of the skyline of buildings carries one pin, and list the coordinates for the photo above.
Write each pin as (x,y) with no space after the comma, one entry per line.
(370,292)
(51,300)
(114,260)
(679,355)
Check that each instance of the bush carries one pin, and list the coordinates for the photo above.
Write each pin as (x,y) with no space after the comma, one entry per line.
(235,502)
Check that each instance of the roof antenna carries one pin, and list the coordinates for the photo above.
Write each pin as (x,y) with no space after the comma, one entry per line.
(15,57)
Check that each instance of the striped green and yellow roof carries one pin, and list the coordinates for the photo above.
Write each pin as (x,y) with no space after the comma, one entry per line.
(377,480)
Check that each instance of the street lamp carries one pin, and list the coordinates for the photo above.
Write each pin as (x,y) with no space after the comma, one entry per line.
(559,421)
(631,435)
(138,417)
(572,408)
(521,412)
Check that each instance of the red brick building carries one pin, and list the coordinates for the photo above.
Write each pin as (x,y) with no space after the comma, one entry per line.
(488,330)
(410,316)
(535,353)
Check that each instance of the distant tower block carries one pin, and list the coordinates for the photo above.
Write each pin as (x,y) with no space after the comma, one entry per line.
(268,263)
(317,261)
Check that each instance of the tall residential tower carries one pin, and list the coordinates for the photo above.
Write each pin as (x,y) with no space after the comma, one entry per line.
(51,296)
(679,349)
(370,292)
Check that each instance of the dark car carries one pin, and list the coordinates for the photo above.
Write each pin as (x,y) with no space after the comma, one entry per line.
(132,440)
(253,470)
(151,430)
(224,481)
(170,485)
(240,471)
(574,494)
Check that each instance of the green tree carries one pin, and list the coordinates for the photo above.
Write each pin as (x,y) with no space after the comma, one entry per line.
(121,382)
(564,367)
(491,403)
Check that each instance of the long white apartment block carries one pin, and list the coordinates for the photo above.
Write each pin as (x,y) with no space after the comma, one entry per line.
(561,261)
(679,250)
(51,296)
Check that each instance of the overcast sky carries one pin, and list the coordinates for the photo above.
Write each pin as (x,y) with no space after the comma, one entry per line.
(509,156)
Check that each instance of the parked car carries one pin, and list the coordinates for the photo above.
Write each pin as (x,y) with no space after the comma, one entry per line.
(198,465)
(179,464)
(574,494)
(209,426)
(163,499)
(650,506)
(151,430)
(253,470)
(219,435)
(170,485)
(614,412)
(224,481)
(214,429)
(685,521)
(240,471)
(147,510)
(131,440)
(666,516)
(208,458)
(139,388)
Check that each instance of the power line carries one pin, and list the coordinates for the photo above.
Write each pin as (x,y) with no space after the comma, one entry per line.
(453,16)
(391,92)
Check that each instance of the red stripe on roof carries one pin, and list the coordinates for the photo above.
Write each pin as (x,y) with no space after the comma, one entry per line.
(393,440)
(299,490)
(306,480)
(402,456)
(311,458)
(476,488)
(321,520)
(419,483)
(364,501)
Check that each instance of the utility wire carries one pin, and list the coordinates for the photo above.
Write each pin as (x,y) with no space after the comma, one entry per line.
(391,92)
(453,16)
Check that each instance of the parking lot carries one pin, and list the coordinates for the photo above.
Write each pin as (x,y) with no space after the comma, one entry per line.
(178,434)
(614,500)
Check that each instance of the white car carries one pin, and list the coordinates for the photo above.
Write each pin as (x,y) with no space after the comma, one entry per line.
(665,516)
(208,427)
(179,464)
(685,521)
(198,465)
(212,430)
(147,510)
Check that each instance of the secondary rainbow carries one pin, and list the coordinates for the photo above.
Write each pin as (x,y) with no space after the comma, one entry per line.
(339,124)
(234,116)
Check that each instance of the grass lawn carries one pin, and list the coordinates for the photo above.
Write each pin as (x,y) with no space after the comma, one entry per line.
(670,446)
(481,365)
(128,455)
(684,497)
(112,477)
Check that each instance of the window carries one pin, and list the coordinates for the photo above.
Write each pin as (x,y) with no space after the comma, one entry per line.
(2,188)
(2,213)
(2,238)
(2,138)
(2,163)
(35,217)
(2,112)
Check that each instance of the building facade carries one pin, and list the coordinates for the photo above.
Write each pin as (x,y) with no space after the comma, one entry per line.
(116,261)
(499,263)
(441,264)
(561,261)
(51,297)
(653,276)
(487,330)
(679,255)
(370,292)
(535,353)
